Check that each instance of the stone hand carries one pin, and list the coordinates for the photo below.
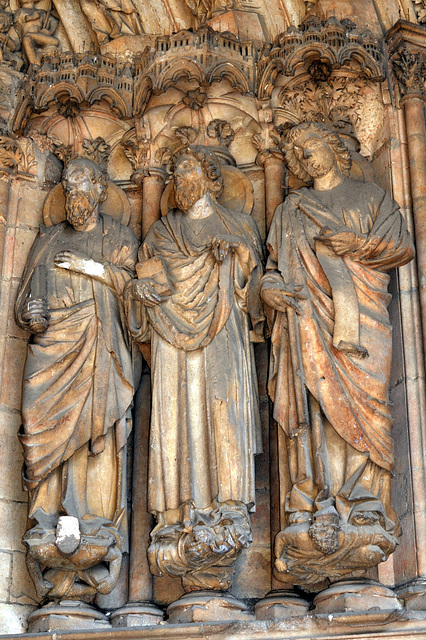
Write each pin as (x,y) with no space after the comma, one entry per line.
(36,315)
(43,587)
(282,299)
(105,584)
(78,262)
(341,241)
(144,291)
(222,245)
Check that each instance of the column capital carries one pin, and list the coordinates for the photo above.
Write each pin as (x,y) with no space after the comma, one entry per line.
(407,53)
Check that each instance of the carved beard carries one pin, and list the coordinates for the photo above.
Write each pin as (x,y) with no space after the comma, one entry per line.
(188,192)
(79,206)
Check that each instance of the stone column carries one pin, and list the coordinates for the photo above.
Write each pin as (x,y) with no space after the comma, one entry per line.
(139,610)
(273,165)
(153,187)
(407,48)
(21,200)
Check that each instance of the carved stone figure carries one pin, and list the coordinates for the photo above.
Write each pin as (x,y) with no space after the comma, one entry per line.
(36,28)
(77,392)
(10,44)
(198,281)
(203,10)
(111,19)
(330,247)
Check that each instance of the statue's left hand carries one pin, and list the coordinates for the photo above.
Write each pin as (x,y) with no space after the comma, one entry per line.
(341,241)
(224,244)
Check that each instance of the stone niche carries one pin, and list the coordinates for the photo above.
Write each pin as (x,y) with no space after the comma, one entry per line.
(187,470)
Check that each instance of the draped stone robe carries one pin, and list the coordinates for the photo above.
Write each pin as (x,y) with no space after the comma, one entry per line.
(205,424)
(347,458)
(79,378)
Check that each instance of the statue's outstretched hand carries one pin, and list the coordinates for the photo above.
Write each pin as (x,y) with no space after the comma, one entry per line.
(72,261)
(79,263)
(282,299)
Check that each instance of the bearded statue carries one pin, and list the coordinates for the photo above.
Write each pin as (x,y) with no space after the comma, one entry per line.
(78,388)
(196,301)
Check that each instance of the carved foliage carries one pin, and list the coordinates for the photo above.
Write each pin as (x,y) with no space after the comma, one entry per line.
(410,71)
(17,157)
(97,150)
(350,105)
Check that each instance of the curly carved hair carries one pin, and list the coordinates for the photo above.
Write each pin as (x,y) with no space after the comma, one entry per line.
(304,131)
(210,164)
(97,176)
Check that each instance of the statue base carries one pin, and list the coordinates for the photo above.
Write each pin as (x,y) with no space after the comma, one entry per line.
(66,615)
(137,614)
(358,595)
(413,594)
(207,606)
(281,604)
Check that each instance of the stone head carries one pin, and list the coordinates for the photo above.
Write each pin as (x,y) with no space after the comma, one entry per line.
(85,188)
(196,171)
(5,21)
(312,150)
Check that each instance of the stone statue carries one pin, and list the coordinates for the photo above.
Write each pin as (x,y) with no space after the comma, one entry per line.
(204,10)
(111,19)
(330,247)
(78,388)
(35,28)
(10,43)
(198,281)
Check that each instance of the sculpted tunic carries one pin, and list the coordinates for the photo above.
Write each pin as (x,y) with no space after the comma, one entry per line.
(79,376)
(205,425)
(346,302)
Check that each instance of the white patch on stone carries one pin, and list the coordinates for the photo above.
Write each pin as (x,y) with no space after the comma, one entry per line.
(93,268)
(68,534)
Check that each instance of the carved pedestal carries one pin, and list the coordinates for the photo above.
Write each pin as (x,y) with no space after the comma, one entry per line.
(356,595)
(281,604)
(67,615)
(207,606)
(136,614)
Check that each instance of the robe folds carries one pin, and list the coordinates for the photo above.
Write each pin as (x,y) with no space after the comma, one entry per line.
(352,392)
(205,423)
(339,452)
(79,377)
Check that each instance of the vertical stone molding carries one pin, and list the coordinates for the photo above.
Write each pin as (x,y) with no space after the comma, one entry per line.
(407,52)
